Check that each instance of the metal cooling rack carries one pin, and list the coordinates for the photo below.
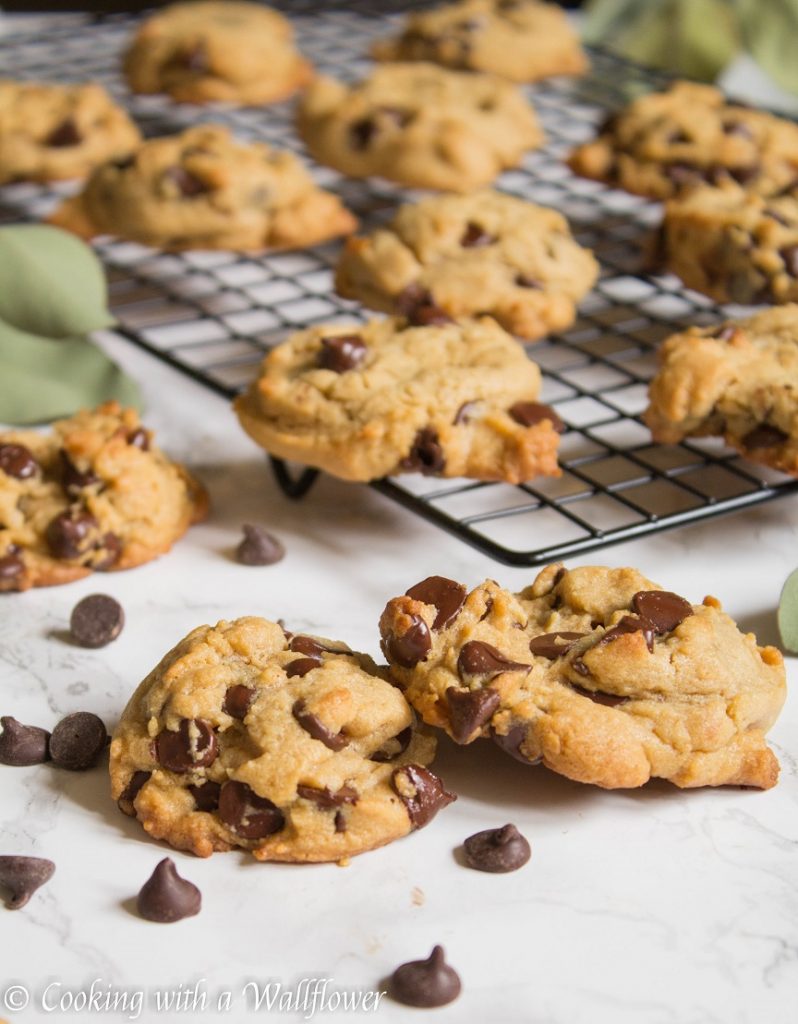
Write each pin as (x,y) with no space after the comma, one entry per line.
(213,315)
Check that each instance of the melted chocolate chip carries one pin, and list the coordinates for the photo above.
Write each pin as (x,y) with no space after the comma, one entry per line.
(314,726)
(306,645)
(246,813)
(194,745)
(128,795)
(394,747)
(78,741)
(188,184)
(476,236)
(72,479)
(412,646)
(11,569)
(422,793)
(497,850)
(528,414)
(16,460)
(342,352)
(68,535)
(22,745)
(463,414)
(22,876)
(206,796)
(96,621)
(419,307)
(445,594)
(301,666)
(361,132)
(259,547)
(553,645)
(139,438)
(478,659)
(340,821)
(609,700)
(326,799)
(112,546)
(166,897)
(469,710)
(64,135)
(425,983)
(764,436)
(237,701)
(426,456)
(510,742)
(661,608)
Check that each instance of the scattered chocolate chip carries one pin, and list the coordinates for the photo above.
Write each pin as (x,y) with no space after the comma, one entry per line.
(237,701)
(530,413)
(342,352)
(301,666)
(475,236)
(764,436)
(16,460)
(96,621)
(166,897)
(68,535)
(478,659)
(78,741)
(188,184)
(412,646)
(206,796)
(609,700)
(326,799)
(361,132)
(422,793)
(65,134)
(426,456)
(463,414)
(661,608)
(554,645)
(128,796)
(445,594)
(22,876)
(72,479)
(193,745)
(525,281)
(510,742)
(469,710)
(394,747)
(425,983)
(259,547)
(418,306)
(497,850)
(314,726)
(246,813)
(139,438)
(11,569)
(22,745)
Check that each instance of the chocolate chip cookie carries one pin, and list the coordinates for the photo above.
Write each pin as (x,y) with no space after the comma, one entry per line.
(733,245)
(523,40)
(369,400)
(419,125)
(738,381)
(52,132)
(483,253)
(597,673)
(94,494)
(292,747)
(201,52)
(687,135)
(204,190)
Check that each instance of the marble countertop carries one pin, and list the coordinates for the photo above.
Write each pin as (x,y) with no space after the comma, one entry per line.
(640,907)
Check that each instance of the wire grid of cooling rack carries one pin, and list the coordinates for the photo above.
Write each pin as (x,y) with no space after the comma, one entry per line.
(213,315)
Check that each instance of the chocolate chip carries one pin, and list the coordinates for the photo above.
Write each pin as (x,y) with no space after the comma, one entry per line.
(426,456)
(237,701)
(510,742)
(744,175)
(306,645)
(628,624)
(139,438)
(475,236)
(661,608)
(340,821)
(412,646)
(188,184)
(196,59)
(16,460)
(790,257)
(123,163)
(394,747)
(342,352)
(128,796)
(206,796)
(422,793)
(65,134)
(78,741)
(249,815)
(96,621)
(313,725)
(764,436)
(739,129)
(301,666)
(683,174)
(361,132)
(497,850)
(259,547)
(723,332)
(11,569)
(469,710)
(553,645)
(193,745)
(463,414)
(68,535)
(72,479)
(525,281)
(610,700)
(478,659)
(326,799)
(425,983)
(166,897)
(677,135)
(419,307)
(445,594)
(112,546)
(528,414)
(22,745)
(22,876)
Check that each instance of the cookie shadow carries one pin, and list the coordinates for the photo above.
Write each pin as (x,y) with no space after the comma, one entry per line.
(764,625)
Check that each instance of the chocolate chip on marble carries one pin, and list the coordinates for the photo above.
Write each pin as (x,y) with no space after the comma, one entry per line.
(609,700)
(247,814)
(12,568)
(237,701)
(16,460)
(394,747)
(193,745)
(510,742)
(425,983)
(259,547)
(528,414)
(764,436)
(479,659)
(446,595)
(554,645)
(469,710)
(475,236)
(327,799)
(139,438)
(78,741)
(68,534)
(412,646)
(206,796)
(63,135)
(663,609)
(22,876)
(342,352)
(187,184)
(497,850)
(22,745)
(421,791)
(314,726)
(96,621)
(128,795)
(426,456)
(301,666)
(166,897)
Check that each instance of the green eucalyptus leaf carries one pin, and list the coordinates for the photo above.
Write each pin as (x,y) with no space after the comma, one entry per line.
(770,31)
(788,613)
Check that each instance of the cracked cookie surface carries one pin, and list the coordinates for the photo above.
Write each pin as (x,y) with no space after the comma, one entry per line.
(363,401)
(597,673)
(292,747)
(93,494)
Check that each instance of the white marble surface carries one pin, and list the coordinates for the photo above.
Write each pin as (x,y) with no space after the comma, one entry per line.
(646,907)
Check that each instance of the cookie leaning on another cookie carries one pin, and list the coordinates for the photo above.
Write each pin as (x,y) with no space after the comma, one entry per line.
(483,253)
(368,400)
(596,672)
(292,747)
(202,189)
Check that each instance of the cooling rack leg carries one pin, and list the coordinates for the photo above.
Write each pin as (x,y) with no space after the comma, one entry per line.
(293,487)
